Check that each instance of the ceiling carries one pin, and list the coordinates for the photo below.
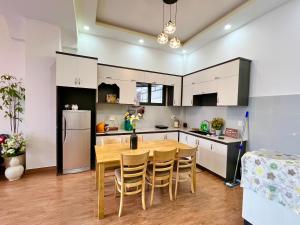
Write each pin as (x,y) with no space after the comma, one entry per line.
(199,21)
(58,12)
(146,17)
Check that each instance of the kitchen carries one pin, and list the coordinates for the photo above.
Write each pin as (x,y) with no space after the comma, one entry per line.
(110,86)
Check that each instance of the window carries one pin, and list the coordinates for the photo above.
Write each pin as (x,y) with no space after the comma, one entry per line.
(151,94)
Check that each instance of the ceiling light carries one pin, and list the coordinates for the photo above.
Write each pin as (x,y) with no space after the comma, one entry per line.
(170,28)
(174,43)
(162,38)
(227,27)
(141,41)
(86,27)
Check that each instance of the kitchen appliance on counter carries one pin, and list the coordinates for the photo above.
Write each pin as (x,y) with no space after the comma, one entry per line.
(176,122)
(161,127)
(76,134)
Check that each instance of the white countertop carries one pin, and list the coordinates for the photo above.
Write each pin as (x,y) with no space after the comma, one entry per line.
(226,140)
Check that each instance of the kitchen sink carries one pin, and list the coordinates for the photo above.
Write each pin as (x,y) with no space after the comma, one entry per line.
(200,132)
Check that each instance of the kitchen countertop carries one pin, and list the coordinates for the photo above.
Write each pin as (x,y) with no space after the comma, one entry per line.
(227,140)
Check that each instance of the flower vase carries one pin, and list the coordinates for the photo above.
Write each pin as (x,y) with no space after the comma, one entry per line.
(14,167)
(133,140)
(218,132)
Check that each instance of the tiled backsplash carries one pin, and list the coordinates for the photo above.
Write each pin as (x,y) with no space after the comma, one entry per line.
(274,121)
(154,115)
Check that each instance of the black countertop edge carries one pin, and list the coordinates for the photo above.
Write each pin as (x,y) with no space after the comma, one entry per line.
(168,131)
(137,132)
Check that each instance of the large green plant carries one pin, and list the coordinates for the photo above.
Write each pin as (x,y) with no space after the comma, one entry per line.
(12,97)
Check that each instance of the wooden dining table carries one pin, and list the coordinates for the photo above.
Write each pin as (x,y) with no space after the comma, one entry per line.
(108,156)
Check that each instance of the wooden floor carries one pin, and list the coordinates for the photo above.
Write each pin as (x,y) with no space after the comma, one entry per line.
(44,198)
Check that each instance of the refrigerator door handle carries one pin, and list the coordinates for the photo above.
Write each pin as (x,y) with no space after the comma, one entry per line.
(65,129)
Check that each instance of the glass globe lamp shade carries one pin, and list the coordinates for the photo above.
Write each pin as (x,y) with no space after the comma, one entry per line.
(174,43)
(162,38)
(170,27)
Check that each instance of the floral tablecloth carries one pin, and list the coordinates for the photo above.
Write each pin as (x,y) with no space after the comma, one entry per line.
(273,175)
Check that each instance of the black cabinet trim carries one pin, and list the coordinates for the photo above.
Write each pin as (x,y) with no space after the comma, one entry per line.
(241,58)
(76,55)
(130,68)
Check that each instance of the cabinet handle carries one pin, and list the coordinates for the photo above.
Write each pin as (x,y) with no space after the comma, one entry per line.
(76,82)
(217,78)
(210,146)
(108,77)
(133,80)
(79,80)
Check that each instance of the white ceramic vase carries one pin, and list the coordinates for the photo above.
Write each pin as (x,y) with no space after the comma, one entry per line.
(218,132)
(14,167)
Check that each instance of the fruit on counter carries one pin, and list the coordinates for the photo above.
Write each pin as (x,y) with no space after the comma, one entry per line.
(100,127)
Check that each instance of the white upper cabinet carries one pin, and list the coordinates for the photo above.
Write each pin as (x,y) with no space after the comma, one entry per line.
(154,78)
(118,73)
(76,71)
(127,91)
(175,81)
(228,83)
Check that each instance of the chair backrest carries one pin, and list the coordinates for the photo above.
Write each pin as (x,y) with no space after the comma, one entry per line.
(163,160)
(133,165)
(186,158)
(111,140)
(140,139)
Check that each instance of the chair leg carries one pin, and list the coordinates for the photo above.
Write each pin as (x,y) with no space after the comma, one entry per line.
(170,188)
(152,193)
(176,184)
(192,182)
(115,189)
(121,201)
(143,197)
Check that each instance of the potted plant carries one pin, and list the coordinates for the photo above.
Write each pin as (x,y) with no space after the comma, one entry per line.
(217,124)
(13,150)
(12,97)
(133,137)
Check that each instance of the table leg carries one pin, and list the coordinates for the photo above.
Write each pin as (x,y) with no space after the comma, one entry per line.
(100,190)
(97,176)
(194,176)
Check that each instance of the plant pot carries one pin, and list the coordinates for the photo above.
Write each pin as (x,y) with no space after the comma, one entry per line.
(133,140)
(218,132)
(14,167)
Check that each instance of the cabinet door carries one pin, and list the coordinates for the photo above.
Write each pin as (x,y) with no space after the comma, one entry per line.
(228,90)
(172,136)
(176,82)
(87,73)
(204,153)
(192,141)
(219,164)
(127,91)
(187,98)
(66,71)
(154,136)
(183,138)
(154,78)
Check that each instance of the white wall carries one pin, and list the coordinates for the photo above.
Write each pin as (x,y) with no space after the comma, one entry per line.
(42,40)
(272,42)
(123,54)
(12,61)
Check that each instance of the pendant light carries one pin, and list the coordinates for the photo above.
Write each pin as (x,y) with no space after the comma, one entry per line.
(163,38)
(169,28)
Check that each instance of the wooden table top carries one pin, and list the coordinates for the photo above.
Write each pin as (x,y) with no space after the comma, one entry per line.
(112,152)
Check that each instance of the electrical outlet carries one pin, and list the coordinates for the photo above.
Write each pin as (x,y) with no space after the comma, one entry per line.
(240,123)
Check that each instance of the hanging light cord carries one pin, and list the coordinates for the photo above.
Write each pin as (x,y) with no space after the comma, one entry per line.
(163,16)
(176,14)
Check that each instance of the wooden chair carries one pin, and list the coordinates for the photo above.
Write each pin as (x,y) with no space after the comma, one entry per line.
(111,140)
(185,167)
(161,170)
(130,178)
(140,139)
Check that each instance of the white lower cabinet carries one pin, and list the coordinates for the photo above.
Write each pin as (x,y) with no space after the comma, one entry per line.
(210,154)
(172,136)
(153,136)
